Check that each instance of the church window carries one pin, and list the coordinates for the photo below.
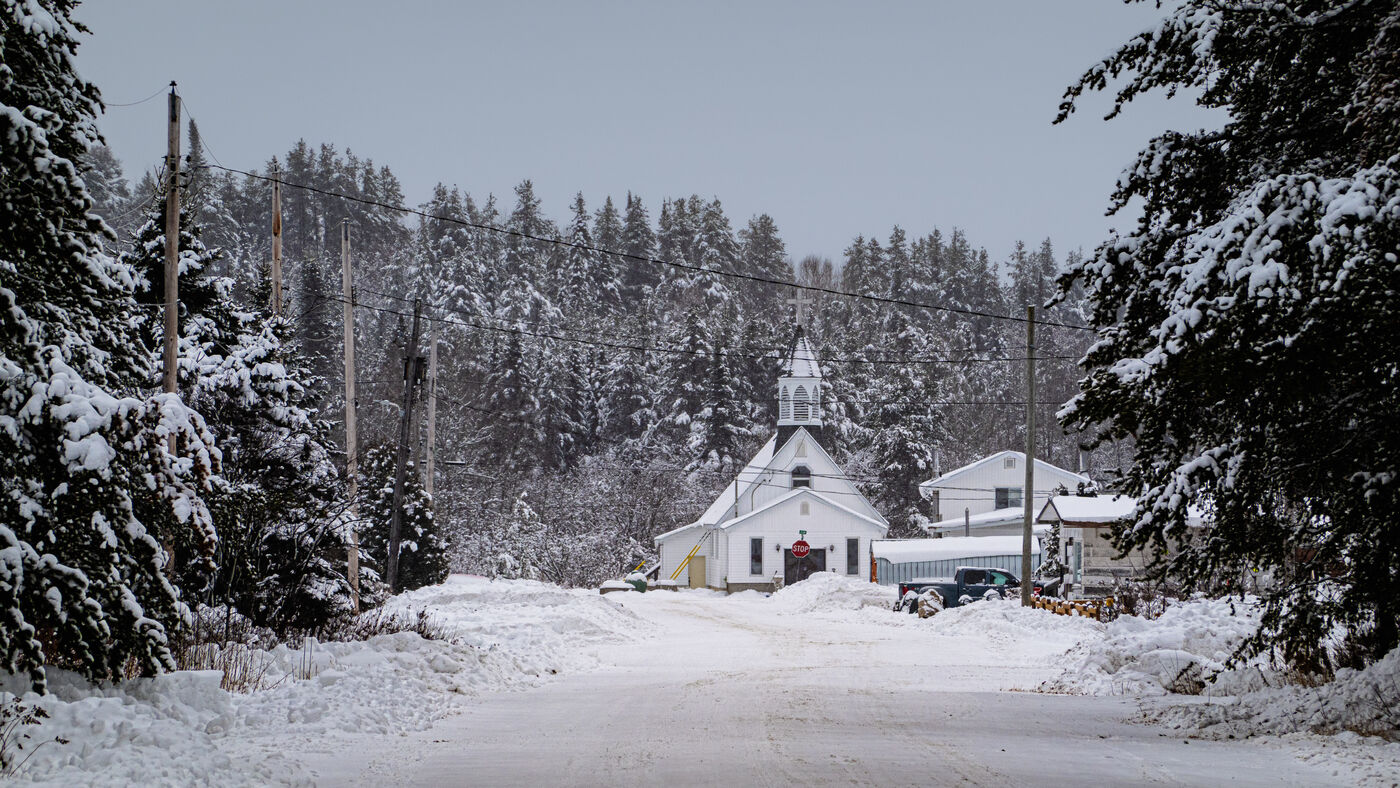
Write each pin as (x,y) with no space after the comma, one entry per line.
(806,508)
(801,477)
(785,404)
(801,449)
(756,555)
(799,404)
(853,556)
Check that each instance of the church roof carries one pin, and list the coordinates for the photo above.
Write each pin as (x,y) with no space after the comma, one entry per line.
(756,467)
(803,361)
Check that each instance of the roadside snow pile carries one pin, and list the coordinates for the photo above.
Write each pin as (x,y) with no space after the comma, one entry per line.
(1006,621)
(1363,701)
(827,591)
(1176,653)
(182,728)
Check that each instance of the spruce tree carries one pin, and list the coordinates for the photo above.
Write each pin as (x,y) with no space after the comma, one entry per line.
(89,486)
(1248,330)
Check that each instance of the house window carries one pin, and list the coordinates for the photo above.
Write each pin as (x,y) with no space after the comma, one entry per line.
(801,477)
(1008,497)
(852,556)
(756,555)
(799,404)
(1009,463)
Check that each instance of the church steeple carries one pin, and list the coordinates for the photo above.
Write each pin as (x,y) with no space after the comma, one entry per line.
(800,388)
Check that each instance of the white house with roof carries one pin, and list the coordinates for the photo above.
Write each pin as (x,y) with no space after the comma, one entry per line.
(1088,553)
(791,490)
(985,497)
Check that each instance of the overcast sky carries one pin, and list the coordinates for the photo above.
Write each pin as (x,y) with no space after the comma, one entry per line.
(836,118)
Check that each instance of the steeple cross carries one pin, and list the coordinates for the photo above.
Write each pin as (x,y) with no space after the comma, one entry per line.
(799,303)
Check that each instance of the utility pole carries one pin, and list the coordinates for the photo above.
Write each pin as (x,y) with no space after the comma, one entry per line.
(172,249)
(352,446)
(1028,494)
(410,379)
(277,241)
(430,465)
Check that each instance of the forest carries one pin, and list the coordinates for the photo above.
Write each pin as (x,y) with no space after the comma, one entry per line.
(588,401)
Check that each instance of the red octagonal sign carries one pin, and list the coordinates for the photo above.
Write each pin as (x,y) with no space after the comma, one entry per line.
(800,549)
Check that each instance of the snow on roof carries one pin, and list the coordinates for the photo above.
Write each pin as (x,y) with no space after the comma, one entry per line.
(808,491)
(803,362)
(1089,509)
(723,505)
(901,551)
(675,531)
(1039,464)
(1008,516)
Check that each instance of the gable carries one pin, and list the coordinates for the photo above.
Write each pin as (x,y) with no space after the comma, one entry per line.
(789,506)
(991,471)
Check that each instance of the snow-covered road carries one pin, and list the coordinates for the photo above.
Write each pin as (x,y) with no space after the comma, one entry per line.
(747,690)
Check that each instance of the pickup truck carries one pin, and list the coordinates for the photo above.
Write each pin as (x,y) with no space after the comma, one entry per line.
(969,584)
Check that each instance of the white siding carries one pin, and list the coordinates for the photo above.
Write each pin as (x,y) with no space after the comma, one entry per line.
(975,489)
(827,527)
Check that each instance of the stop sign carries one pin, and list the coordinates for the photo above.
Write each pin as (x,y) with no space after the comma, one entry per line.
(800,549)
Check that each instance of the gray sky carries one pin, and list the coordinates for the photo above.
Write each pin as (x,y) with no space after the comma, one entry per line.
(836,118)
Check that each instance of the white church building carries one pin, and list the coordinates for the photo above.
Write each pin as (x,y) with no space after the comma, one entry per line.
(790,492)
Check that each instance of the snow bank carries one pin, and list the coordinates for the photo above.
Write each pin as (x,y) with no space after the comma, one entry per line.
(182,728)
(1363,701)
(1174,653)
(1006,620)
(825,591)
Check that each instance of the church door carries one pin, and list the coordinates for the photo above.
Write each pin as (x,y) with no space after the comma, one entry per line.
(799,569)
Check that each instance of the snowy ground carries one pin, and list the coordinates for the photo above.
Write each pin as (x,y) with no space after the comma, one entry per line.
(820,684)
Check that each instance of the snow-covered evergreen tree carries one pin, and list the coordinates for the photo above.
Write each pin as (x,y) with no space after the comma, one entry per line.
(89,489)
(1248,325)
(422,549)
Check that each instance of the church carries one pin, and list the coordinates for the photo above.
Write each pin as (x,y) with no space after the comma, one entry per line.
(789,513)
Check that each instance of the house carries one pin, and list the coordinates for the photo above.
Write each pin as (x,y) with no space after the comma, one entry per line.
(989,493)
(791,491)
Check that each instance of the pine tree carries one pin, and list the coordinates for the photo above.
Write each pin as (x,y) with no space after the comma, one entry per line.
(88,486)
(638,241)
(1247,326)
(423,551)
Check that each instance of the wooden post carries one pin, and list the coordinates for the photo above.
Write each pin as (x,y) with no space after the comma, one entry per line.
(401,464)
(431,464)
(1028,493)
(352,447)
(277,241)
(172,248)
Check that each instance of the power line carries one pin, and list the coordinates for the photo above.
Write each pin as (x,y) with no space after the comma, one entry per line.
(523,418)
(159,91)
(644,258)
(766,352)
(656,349)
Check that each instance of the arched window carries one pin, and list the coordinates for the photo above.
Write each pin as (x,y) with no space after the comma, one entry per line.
(799,404)
(785,404)
(801,477)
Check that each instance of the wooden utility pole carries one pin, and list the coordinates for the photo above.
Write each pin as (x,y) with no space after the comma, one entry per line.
(172,248)
(277,241)
(352,436)
(1028,494)
(431,463)
(410,379)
